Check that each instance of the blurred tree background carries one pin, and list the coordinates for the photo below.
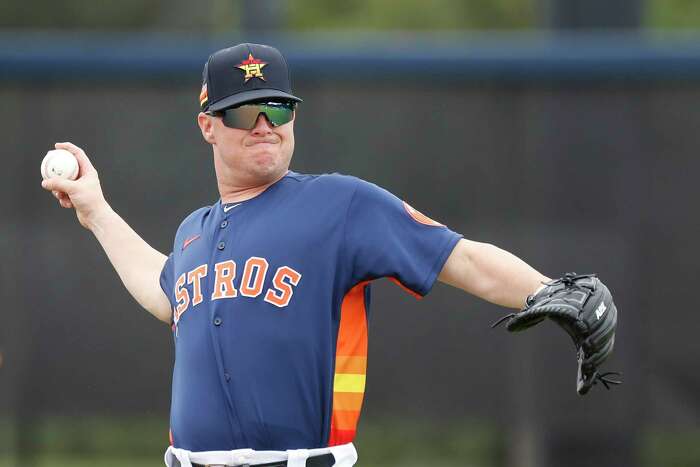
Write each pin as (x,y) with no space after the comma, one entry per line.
(673,14)
(309,15)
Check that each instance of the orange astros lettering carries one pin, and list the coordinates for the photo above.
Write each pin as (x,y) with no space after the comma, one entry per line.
(223,285)
(255,271)
(251,284)
(194,277)
(282,280)
(182,297)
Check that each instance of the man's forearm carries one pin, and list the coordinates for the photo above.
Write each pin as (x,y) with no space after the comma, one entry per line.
(491,273)
(137,263)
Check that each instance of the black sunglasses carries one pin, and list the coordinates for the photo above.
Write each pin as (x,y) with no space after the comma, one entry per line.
(244,116)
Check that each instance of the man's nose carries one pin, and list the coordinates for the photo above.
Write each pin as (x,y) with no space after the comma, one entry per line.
(262,125)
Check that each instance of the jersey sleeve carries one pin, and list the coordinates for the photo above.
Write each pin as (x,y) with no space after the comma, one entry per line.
(386,237)
(167,279)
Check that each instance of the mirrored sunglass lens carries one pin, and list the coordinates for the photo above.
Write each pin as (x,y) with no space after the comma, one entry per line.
(278,114)
(243,117)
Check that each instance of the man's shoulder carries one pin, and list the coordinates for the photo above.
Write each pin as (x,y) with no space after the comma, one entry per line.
(337,186)
(333,180)
(197,216)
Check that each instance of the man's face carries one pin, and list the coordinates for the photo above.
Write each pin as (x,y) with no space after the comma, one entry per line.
(258,155)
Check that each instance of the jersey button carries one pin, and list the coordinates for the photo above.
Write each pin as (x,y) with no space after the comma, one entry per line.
(221,245)
(227,377)
(217,321)
(224,224)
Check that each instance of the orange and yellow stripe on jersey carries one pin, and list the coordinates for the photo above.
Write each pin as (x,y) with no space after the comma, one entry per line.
(350,366)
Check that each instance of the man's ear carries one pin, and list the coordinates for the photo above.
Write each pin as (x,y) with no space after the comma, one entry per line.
(207,127)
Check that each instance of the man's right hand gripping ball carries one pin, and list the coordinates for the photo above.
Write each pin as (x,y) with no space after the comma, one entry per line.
(83,194)
(583,306)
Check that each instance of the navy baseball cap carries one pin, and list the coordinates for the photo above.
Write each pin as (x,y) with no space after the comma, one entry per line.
(244,73)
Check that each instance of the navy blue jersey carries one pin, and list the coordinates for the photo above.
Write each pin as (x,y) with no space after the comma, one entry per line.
(270,301)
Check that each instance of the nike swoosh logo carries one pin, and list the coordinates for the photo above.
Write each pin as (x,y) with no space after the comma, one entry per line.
(228,208)
(189,240)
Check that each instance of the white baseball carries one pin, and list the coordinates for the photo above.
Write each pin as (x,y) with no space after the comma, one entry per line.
(59,163)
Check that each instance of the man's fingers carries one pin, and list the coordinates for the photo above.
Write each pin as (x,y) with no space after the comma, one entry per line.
(58,184)
(83,161)
(63,199)
(65,202)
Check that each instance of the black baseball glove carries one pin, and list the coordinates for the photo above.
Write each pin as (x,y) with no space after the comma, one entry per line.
(583,306)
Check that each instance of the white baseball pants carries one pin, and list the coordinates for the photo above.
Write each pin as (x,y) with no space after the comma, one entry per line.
(345,456)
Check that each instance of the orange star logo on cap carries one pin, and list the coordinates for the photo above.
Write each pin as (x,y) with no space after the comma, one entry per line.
(252,67)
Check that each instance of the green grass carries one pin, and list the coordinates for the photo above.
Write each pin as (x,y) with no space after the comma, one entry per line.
(141,441)
(76,461)
(107,442)
(671,448)
(395,442)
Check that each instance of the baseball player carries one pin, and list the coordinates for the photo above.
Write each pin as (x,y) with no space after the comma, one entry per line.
(267,290)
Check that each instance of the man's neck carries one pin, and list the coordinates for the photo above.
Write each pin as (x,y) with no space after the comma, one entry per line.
(235,194)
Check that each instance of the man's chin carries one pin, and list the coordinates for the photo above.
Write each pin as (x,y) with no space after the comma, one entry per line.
(269,163)
(268,172)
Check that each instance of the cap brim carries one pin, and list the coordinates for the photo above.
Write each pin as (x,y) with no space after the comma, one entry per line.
(243,97)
